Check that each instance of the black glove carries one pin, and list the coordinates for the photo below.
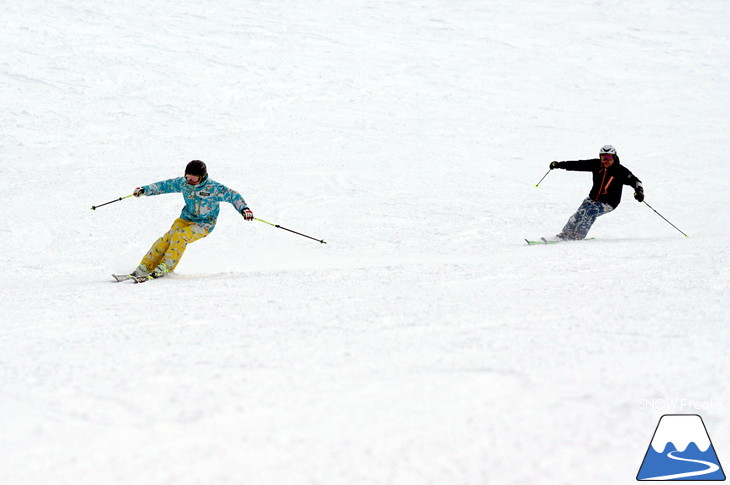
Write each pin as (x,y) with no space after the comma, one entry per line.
(554,165)
(138,191)
(639,193)
(247,214)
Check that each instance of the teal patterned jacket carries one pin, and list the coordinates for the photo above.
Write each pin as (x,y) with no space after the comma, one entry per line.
(202,201)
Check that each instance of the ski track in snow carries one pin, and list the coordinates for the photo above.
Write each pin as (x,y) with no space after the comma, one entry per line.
(425,343)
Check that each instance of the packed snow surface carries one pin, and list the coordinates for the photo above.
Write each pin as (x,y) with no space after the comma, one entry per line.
(425,343)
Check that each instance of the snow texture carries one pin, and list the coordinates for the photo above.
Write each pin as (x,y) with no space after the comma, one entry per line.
(426,343)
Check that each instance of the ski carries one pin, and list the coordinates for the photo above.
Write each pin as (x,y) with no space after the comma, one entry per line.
(128,277)
(142,279)
(542,240)
(122,277)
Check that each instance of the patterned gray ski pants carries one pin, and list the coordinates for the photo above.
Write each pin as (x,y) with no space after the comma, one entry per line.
(580,223)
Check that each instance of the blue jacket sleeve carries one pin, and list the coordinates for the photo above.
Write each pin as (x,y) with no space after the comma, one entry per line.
(165,186)
(234,198)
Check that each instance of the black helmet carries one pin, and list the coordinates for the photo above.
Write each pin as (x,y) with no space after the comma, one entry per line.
(196,167)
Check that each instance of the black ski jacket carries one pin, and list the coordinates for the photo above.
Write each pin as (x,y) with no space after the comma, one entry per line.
(608,182)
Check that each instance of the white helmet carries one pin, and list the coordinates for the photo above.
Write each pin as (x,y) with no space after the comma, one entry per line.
(607,149)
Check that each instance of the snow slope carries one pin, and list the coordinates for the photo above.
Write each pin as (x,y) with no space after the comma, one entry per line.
(425,343)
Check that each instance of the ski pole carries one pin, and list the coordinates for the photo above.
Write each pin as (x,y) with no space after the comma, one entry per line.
(295,232)
(93,207)
(543,178)
(650,207)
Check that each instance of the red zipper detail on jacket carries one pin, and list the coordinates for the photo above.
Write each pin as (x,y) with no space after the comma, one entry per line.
(600,187)
(605,189)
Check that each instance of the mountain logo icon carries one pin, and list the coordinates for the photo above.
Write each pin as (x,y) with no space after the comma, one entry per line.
(681,450)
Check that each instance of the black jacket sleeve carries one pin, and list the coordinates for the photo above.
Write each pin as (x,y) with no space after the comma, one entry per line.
(590,165)
(631,179)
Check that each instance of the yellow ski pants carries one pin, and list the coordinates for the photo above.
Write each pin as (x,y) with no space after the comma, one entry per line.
(170,247)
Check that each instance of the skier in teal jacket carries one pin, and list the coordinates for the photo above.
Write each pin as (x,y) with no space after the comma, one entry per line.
(197,219)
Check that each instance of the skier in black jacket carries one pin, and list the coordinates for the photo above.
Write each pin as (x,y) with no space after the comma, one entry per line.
(609,177)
